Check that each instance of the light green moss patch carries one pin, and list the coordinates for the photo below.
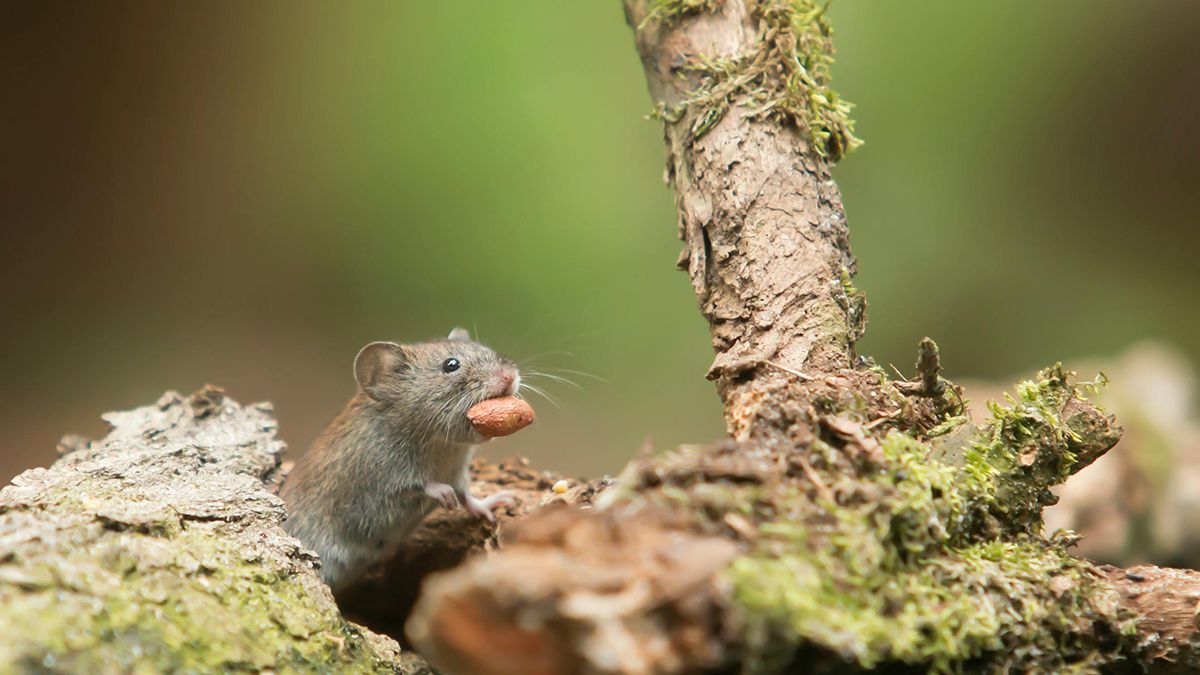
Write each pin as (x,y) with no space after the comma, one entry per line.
(127,602)
(995,605)
(895,572)
(1032,447)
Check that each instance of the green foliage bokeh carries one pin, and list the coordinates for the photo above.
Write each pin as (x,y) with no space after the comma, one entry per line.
(247,193)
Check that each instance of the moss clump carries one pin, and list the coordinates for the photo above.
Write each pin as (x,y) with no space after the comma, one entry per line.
(1037,441)
(786,76)
(996,606)
(895,572)
(876,551)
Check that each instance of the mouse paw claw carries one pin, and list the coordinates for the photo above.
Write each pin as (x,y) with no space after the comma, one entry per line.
(443,493)
(483,508)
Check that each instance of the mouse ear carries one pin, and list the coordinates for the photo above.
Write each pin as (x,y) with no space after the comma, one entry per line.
(374,363)
(459,334)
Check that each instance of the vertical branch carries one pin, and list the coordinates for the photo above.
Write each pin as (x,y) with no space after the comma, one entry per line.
(750,133)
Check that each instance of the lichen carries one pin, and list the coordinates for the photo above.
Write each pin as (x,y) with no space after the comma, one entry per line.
(786,76)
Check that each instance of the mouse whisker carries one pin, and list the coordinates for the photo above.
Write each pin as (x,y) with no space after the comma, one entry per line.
(447,406)
(556,378)
(582,374)
(553,401)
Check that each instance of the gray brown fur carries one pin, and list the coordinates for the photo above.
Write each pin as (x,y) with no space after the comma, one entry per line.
(399,449)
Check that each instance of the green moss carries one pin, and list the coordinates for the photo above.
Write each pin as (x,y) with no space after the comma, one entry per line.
(125,603)
(896,556)
(894,573)
(1031,448)
(995,605)
(804,40)
(786,76)
(947,425)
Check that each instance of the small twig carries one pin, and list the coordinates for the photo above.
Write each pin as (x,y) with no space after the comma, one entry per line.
(816,479)
(785,369)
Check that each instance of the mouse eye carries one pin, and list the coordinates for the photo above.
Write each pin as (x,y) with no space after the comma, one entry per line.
(450,365)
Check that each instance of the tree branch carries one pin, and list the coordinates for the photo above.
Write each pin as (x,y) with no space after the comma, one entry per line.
(851,520)
(765,240)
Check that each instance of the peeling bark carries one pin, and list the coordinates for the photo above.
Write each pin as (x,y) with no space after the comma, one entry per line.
(576,592)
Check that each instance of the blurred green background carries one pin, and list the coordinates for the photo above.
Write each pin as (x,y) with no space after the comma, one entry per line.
(245,193)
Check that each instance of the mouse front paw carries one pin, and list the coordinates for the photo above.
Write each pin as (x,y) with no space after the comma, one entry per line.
(443,493)
(483,508)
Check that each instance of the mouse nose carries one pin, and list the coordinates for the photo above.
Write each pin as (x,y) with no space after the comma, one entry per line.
(508,379)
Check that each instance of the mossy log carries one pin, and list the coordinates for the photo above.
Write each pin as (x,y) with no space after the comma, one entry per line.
(866,547)
(158,549)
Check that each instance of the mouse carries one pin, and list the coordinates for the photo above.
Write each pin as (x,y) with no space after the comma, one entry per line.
(400,448)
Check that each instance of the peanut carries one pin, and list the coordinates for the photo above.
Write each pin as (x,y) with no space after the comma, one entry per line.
(500,416)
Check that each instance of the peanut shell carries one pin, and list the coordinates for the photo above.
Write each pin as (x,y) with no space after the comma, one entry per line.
(500,416)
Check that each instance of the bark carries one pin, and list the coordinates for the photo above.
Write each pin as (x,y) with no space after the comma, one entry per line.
(765,237)
(1169,602)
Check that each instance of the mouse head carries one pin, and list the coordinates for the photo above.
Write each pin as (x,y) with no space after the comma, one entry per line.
(432,384)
